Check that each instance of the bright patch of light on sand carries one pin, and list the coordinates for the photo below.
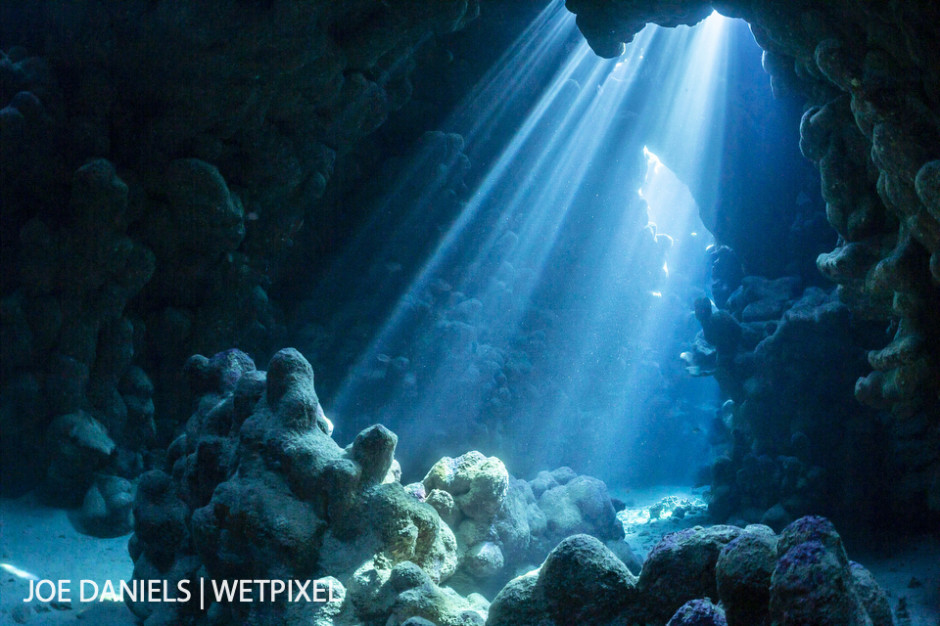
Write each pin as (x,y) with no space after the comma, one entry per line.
(666,508)
(634,516)
(19,573)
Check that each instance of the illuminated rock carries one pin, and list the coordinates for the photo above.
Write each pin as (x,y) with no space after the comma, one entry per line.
(267,494)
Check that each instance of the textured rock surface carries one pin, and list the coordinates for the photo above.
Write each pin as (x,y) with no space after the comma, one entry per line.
(502,528)
(256,488)
(159,162)
(743,573)
(872,91)
(580,567)
(681,568)
(799,577)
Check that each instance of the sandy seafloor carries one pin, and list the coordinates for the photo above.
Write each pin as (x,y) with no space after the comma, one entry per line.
(41,541)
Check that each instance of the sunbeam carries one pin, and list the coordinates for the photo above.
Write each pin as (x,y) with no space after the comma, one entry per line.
(541,325)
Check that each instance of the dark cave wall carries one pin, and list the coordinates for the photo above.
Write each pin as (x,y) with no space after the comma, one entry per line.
(764,184)
(159,162)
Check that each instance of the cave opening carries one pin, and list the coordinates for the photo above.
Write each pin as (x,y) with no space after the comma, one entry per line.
(544,322)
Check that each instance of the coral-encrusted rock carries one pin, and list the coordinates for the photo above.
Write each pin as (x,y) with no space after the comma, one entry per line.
(65,334)
(542,482)
(226,126)
(374,451)
(502,528)
(871,594)
(519,602)
(699,613)
(483,559)
(410,531)
(743,573)
(199,197)
(580,505)
(681,567)
(812,528)
(160,520)
(477,498)
(256,488)
(811,586)
(417,598)
(581,581)
(478,484)
(814,582)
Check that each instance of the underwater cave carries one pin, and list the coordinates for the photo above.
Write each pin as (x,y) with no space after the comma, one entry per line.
(470,312)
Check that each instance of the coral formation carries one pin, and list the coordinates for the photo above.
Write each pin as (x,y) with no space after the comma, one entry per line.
(756,577)
(157,172)
(786,435)
(255,487)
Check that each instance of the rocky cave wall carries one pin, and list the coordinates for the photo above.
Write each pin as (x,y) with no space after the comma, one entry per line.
(868,75)
(159,161)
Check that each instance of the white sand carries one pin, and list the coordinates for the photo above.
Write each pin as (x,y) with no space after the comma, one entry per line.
(41,541)
(910,569)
